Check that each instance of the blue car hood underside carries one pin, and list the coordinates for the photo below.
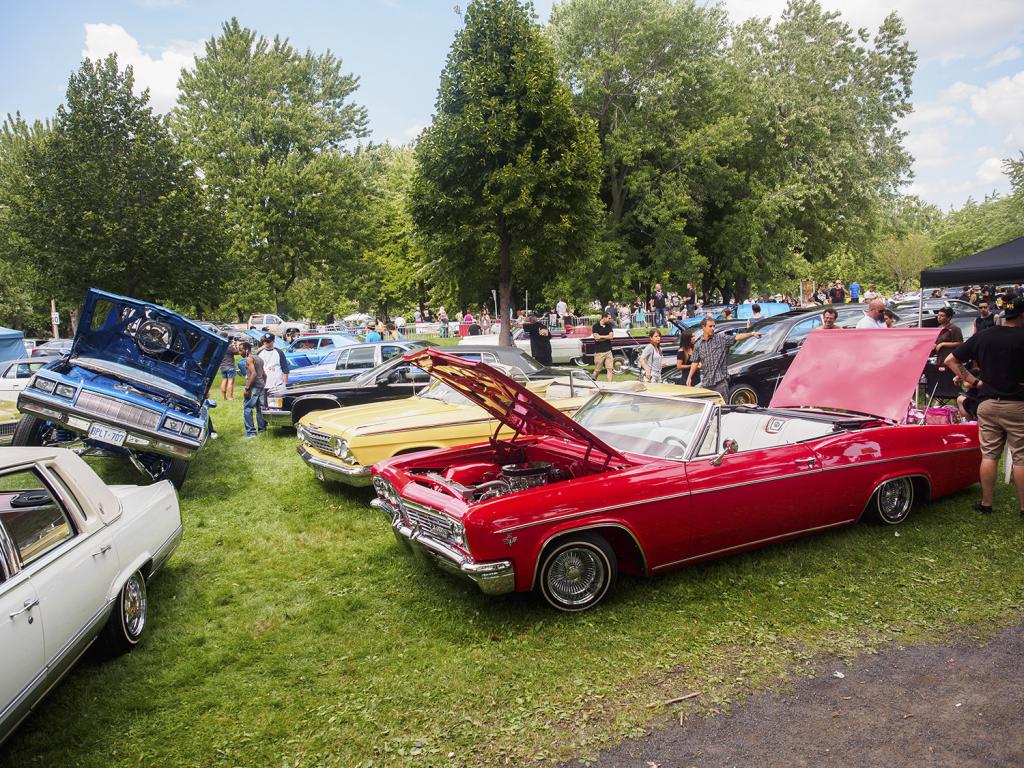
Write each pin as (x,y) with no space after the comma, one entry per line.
(108,328)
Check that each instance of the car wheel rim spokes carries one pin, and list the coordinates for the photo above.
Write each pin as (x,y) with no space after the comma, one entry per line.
(576,576)
(743,397)
(894,499)
(134,605)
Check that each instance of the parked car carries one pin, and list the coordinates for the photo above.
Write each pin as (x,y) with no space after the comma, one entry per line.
(9,417)
(343,443)
(15,375)
(348,362)
(305,350)
(275,324)
(389,381)
(134,385)
(642,484)
(75,557)
(930,307)
(52,348)
(757,365)
(565,347)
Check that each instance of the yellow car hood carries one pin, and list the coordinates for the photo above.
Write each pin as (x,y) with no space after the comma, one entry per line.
(390,416)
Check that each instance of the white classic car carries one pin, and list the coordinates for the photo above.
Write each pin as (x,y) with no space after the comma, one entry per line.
(75,556)
(15,375)
(565,348)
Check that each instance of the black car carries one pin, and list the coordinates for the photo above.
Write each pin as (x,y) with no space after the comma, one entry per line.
(390,380)
(929,307)
(756,365)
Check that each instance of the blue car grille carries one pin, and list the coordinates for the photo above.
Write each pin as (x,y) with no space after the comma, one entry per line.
(118,411)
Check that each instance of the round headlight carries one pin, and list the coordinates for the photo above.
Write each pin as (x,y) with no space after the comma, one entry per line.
(300,433)
(339,447)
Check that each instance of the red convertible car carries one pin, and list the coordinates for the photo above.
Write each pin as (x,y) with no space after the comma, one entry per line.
(643,484)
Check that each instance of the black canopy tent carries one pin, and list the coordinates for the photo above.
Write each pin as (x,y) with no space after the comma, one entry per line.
(1002,264)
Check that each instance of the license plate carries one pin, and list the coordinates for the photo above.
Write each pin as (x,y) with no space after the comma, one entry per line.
(107,434)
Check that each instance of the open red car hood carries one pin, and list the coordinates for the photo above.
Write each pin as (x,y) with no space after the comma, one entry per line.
(870,371)
(513,405)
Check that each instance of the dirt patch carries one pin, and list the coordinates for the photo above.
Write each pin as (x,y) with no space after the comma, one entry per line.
(959,703)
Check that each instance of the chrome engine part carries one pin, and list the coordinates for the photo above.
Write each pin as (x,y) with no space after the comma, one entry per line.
(527,474)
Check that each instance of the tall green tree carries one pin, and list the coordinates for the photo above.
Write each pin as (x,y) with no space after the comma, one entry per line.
(650,73)
(110,202)
(267,126)
(24,302)
(507,173)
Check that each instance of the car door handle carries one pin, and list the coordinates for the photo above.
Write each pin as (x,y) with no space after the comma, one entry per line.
(103,550)
(806,462)
(29,605)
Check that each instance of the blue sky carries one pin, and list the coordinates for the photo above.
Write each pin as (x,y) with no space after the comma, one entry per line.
(968,92)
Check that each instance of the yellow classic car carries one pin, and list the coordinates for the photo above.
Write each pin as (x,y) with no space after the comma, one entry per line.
(343,443)
(9,417)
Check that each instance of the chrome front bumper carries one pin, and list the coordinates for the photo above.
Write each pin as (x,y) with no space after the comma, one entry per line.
(76,420)
(493,578)
(325,469)
(277,418)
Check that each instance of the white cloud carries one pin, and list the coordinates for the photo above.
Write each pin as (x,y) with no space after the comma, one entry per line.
(159,73)
(931,147)
(936,29)
(1006,55)
(1001,103)
(991,171)
(413,131)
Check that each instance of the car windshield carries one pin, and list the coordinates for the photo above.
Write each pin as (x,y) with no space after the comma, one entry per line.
(438,390)
(773,332)
(653,426)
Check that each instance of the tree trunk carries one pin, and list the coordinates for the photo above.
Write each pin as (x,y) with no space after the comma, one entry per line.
(505,283)
(423,299)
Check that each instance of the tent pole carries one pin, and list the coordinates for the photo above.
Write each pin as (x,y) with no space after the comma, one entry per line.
(920,307)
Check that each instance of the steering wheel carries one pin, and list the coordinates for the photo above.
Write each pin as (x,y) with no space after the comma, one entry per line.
(680,444)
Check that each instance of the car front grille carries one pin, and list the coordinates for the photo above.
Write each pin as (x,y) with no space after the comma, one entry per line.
(7,430)
(118,411)
(430,521)
(319,440)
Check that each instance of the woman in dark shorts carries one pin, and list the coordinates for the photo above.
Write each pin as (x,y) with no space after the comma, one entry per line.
(228,372)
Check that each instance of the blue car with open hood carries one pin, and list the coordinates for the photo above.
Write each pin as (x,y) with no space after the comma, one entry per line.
(134,384)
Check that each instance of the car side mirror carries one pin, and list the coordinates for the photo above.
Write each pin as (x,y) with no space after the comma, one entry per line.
(789,346)
(211,403)
(728,446)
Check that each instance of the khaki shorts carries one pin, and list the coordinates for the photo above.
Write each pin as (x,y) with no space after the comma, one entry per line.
(999,421)
(603,360)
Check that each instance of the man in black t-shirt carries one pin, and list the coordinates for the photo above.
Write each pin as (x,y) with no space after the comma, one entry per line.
(540,338)
(603,334)
(999,354)
(658,305)
(985,318)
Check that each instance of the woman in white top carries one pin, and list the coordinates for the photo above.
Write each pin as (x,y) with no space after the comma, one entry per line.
(651,358)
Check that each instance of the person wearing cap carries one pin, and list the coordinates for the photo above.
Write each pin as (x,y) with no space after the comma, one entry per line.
(275,364)
(255,385)
(372,334)
(998,353)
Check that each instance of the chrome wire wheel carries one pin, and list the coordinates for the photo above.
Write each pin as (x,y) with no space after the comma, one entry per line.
(133,606)
(893,500)
(577,574)
(743,396)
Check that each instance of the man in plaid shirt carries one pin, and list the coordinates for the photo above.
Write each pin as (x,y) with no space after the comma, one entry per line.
(711,352)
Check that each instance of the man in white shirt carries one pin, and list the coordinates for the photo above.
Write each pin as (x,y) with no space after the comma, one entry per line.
(561,308)
(874,315)
(275,364)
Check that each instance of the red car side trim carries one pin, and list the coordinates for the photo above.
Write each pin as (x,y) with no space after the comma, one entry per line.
(754,543)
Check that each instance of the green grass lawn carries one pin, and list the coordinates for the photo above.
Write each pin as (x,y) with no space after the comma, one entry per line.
(290,630)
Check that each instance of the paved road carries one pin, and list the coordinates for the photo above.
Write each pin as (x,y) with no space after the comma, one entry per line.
(955,704)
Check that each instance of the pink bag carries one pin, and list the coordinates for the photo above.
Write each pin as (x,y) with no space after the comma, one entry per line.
(942,414)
